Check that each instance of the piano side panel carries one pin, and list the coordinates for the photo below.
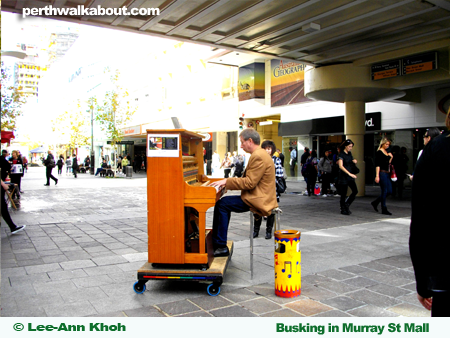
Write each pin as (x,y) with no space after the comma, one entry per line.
(165,191)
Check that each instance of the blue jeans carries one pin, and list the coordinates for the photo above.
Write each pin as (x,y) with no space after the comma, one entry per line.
(221,220)
(386,187)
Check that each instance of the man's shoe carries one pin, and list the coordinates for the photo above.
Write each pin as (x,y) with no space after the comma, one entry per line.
(56,182)
(222,252)
(268,235)
(46,185)
(18,229)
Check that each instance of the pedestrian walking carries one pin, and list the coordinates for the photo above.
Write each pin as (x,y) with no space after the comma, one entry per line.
(400,163)
(68,166)
(75,165)
(311,172)
(50,163)
(137,163)
(226,164)
(429,135)
(5,212)
(325,167)
(429,230)
(347,176)
(293,160)
(60,164)
(16,175)
(382,175)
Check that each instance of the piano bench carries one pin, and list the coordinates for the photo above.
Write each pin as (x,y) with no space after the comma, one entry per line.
(276,224)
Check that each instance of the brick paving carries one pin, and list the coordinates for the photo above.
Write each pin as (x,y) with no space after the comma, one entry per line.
(86,238)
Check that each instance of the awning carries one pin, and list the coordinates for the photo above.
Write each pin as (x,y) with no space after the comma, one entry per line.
(38,150)
(7,136)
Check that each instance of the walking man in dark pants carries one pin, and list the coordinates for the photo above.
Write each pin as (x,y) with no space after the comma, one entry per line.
(50,164)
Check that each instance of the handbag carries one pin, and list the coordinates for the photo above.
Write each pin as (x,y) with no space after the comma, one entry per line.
(280,184)
(354,169)
(393,174)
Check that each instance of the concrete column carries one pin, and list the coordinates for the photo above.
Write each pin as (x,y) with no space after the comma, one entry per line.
(354,122)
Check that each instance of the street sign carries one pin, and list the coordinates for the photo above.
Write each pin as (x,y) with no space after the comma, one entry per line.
(419,63)
(386,70)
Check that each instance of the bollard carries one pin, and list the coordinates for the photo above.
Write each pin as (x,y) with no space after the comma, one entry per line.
(287,263)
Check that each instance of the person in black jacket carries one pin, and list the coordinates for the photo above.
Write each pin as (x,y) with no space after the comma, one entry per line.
(430,230)
(75,165)
(50,163)
(5,165)
(137,163)
(5,212)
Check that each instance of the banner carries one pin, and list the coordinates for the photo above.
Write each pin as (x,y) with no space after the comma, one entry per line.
(287,83)
(252,81)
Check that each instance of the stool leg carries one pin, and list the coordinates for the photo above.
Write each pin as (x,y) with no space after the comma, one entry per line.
(251,245)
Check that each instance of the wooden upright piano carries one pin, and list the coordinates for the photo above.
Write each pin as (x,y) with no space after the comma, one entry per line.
(178,197)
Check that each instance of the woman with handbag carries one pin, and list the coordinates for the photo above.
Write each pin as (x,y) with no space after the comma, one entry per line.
(383,160)
(270,148)
(347,176)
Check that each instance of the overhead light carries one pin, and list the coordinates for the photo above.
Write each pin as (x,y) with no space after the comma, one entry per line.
(311,27)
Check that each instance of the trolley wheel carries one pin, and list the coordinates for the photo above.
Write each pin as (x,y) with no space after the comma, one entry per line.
(139,287)
(213,289)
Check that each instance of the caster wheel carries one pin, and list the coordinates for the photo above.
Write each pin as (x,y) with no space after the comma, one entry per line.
(139,287)
(213,290)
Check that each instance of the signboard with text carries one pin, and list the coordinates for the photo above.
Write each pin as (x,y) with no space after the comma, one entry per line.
(408,65)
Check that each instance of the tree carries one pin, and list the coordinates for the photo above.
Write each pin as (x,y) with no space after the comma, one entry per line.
(115,109)
(12,101)
(73,126)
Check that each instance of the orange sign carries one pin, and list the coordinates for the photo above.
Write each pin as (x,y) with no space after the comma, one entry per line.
(421,67)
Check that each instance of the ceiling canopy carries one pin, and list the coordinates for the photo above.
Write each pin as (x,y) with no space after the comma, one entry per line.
(316,32)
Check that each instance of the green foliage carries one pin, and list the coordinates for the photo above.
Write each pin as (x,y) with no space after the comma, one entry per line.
(115,110)
(12,102)
(75,124)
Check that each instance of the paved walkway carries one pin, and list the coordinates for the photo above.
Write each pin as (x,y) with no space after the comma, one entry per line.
(86,238)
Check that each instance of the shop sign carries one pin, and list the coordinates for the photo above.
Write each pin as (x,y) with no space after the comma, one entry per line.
(136,130)
(373,121)
(206,137)
(122,142)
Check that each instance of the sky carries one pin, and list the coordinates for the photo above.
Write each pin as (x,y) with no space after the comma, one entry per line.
(116,48)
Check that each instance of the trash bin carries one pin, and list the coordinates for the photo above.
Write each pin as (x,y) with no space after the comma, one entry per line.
(129,171)
(287,263)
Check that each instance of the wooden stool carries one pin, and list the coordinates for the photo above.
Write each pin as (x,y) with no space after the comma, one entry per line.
(10,194)
(276,223)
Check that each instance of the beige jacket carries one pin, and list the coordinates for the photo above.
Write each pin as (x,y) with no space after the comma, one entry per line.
(257,183)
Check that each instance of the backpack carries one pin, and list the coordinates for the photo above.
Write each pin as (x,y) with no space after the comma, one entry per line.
(307,167)
(51,163)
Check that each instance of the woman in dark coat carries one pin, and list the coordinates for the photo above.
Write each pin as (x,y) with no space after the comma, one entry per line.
(346,178)
(430,225)
(383,175)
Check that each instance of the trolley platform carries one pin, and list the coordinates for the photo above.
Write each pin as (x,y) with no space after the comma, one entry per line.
(183,272)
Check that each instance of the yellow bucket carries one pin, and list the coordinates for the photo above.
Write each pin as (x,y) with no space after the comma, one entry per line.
(287,263)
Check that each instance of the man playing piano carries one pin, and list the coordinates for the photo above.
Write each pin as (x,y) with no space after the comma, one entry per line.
(258,190)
